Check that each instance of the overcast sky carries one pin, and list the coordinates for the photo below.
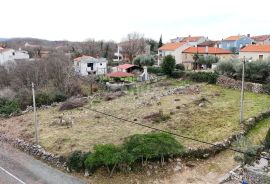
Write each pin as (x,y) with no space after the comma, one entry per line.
(78,20)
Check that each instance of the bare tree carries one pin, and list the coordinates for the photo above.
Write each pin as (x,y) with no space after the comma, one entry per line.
(134,44)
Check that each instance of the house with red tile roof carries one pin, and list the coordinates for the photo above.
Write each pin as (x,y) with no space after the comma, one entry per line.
(187,56)
(235,43)
(255,52)
(88,65)
(174,49)
(261,39)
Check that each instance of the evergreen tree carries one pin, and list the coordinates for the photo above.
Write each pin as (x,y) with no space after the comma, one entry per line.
(160,43)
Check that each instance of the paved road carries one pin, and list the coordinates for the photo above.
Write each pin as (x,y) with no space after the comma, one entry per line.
(17,167)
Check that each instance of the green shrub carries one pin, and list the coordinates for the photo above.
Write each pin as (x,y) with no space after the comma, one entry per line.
(8,107)
(152,145)
(59,97)
(226,68)
(42,98)
(266,88)
(177,74)
(144,60)
(267,140)
(168,64)
(180,67)
(249,156)
(76,161)
(208,77)
(154,70)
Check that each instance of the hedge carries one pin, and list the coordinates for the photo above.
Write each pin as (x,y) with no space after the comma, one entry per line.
(210,78)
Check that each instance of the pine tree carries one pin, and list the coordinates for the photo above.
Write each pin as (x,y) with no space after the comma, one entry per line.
(160,43)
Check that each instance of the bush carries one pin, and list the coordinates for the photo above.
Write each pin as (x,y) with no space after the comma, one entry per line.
(43,98)
(180,67)
(177,74)
(210,78)
(59,97)
(168,64)
(154,70)
(24,98)
(226,68)
(266,88)
(267,140)
(152,145)
(76,161)
(72,104)
(8,107)
(249,156)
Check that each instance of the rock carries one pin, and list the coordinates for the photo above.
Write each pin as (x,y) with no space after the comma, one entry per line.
(177,168)
(202,104)
(86,173)
(189,164)
(148,173)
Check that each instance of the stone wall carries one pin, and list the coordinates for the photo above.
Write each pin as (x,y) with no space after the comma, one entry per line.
(235,84)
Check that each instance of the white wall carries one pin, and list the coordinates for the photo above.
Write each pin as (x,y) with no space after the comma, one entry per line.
(99,66)
(11,55)
(254,56)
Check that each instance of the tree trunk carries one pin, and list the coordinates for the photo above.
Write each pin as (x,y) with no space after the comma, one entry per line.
(108,169)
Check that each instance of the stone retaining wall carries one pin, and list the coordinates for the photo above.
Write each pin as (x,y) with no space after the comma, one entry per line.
(235,84)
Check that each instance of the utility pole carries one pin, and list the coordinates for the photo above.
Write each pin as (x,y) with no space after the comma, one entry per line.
(242,92)
(35,114)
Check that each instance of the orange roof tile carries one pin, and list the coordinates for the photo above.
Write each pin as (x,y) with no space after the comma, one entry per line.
(120,74)
(125,66)
(82,57)
(232,38)
(203,50)
(256,48)
(172,46)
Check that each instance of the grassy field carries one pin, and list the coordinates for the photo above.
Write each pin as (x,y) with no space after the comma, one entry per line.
(217,119)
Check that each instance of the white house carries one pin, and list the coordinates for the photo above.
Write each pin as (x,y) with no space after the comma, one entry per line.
(174,49)
(261,39)
(255,52)
(12,55)
(87,65)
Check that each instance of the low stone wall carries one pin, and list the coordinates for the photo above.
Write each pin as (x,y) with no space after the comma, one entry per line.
(226,143)
(235,84)
(36,151)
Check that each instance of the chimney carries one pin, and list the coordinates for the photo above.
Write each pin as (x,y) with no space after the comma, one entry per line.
(248,35)
(206,49)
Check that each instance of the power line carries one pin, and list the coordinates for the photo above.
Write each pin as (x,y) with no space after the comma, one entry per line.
(160,130)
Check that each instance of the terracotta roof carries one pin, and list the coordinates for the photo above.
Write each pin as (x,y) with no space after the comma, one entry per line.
(192,38)
(203,50)
(232,38)
(125,66)
(172,46)
(82,57)
(261,37)
(208,43)
(256,48)
(120,74)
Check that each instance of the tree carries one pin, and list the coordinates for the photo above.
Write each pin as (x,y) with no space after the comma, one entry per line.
(142,60)
(160,43)
(168,64)
(134,44)
(153,45)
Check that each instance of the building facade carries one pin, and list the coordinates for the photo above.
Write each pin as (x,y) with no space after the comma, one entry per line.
(235,43)
(87,65)
(255,53)
(7,55)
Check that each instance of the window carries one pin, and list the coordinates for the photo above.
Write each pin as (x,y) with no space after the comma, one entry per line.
(100,64)
(90,65)
(260,57)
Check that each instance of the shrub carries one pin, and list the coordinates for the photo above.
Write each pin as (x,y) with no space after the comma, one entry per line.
(180,67)
(43,98)
(59,97)
(72,104)
(24,98)
(177,74)
(226,68)
(76,161)
(168,64)
(249,156)
(267,140)
(154,70)
(152,145)
(8,107)
(208,77)
(266,88)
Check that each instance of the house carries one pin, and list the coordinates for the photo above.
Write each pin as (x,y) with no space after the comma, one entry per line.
(174,49)
(255,52)
(235,43)
(7,54)
(192,40)
(187,56)
(209,43)
(128,68)
(87,65)
(261,40)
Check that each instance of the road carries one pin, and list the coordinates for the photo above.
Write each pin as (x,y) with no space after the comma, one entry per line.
(17,167)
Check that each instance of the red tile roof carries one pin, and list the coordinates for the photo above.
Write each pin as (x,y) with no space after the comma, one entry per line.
(261,38)
(203,50)
(120,74)
(256,48)
(232,38)
(192,38)
(125,66)
(172,46)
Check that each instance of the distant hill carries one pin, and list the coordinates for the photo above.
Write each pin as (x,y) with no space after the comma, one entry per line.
(3,39)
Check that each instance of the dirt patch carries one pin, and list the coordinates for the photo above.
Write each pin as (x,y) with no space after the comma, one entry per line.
(112,96)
